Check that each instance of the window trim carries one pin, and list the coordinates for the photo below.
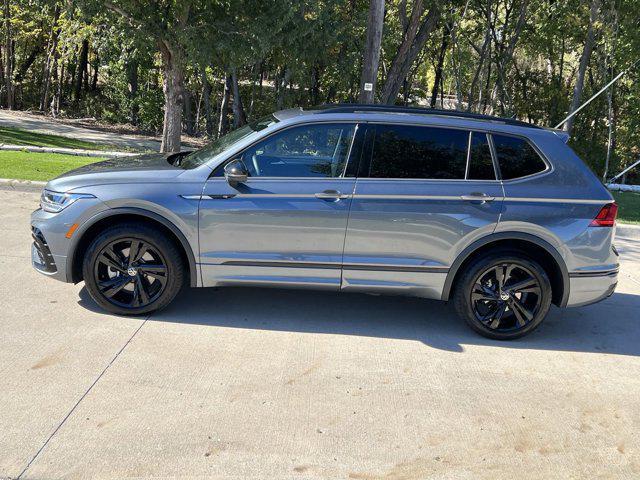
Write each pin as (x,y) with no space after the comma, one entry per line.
(548,165)
(223,163)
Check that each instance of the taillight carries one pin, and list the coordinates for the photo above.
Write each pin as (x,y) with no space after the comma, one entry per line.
(606,216)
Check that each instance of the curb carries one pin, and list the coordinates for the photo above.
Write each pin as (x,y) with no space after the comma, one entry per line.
(21,185)
(66,151)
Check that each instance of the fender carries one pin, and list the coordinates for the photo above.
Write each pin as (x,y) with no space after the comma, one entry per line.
(193,273)
(467,252)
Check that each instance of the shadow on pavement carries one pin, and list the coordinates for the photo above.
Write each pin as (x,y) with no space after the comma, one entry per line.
(611,326)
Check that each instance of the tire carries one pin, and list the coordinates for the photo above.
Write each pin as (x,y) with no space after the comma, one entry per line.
(124,285)
(503,309)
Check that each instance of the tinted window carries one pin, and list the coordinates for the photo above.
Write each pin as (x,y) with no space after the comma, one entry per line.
(319,150)
(516,157)
(402,151)
(480,162)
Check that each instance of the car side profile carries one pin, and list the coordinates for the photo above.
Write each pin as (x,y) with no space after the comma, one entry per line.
(497,216)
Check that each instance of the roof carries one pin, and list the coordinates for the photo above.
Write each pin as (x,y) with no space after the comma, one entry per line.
(382,109)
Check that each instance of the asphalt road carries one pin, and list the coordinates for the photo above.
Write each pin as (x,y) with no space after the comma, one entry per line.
(270,384)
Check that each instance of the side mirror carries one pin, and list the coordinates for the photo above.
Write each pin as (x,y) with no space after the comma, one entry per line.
(235,172)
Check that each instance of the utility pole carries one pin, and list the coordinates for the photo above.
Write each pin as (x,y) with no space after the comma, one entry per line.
(371,58)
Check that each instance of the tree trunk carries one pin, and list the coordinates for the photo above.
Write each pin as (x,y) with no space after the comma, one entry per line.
(81,69)
(173,88)
(8,58)
(206,98)
(412,43)
(189,113)
(94,81)
(223,123)
(132,86)
(584,63)
(51,53)
(239,117)
(441,56)
(371,57)
(282,88)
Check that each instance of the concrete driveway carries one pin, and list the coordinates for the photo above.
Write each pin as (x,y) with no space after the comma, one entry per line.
(270,384)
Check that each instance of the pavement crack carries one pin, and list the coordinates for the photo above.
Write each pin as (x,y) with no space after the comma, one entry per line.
(80,400)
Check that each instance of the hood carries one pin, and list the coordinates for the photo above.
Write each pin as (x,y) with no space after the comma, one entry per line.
(154,167)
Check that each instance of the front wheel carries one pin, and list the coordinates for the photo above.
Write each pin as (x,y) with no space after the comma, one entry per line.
(503,296)
(133,269)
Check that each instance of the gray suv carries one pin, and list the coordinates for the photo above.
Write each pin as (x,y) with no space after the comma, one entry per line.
(497,216)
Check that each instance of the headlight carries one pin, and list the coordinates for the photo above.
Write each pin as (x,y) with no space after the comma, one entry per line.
(55,202)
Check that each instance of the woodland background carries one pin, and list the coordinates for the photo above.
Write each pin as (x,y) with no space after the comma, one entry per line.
(203,67)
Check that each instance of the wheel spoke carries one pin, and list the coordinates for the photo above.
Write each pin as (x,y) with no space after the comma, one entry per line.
(523,286)
(480,292)
(136,251)
(140,291)
(156,270)
(500,275)
(497,316)
(110,258)
(523,316)
(112,286)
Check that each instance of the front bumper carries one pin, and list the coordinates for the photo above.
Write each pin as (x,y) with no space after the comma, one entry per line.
(590,288)
(51,249)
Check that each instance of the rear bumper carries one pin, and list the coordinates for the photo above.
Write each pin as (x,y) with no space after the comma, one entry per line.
(587,288)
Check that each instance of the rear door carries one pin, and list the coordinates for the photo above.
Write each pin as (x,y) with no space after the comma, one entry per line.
(286,224)
(423,193)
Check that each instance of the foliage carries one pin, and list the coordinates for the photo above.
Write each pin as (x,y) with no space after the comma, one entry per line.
(287,53)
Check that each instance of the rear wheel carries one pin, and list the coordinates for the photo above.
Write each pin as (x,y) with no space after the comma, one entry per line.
(503,295)
(133,269)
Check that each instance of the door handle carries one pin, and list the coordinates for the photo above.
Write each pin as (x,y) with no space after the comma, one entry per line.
(477,197)
(334,195)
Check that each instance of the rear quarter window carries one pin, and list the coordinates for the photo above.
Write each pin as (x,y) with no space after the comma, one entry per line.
(516,157)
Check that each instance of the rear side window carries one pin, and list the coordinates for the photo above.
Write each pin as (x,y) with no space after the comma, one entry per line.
(516,157)
(403,151)
(480,161)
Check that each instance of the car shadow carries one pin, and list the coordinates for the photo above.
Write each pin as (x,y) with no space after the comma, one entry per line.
(611,326)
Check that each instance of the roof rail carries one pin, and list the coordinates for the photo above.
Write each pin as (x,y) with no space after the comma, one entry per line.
(354,108)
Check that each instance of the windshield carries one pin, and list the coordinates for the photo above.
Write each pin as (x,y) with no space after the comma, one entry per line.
(198,157)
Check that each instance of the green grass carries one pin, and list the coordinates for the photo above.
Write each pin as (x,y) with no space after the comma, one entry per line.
(39,166)
(16,136)
(629,203)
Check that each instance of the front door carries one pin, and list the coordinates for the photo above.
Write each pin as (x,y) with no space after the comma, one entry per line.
(286,224)
(423,194)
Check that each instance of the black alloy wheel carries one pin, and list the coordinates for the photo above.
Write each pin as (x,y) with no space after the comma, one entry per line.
(503,295)
(132,269)
(506,297)
(130,273)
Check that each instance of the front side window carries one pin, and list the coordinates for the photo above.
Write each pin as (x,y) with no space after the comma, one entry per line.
(516,157)
(319,150)
(198,157)
(404,151)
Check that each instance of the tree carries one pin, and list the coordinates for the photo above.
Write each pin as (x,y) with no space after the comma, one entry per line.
(416,31)
(165,22)
(584,63)
(371,57)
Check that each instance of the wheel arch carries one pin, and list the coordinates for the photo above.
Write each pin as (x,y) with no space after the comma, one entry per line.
(540,249)
(88,231)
